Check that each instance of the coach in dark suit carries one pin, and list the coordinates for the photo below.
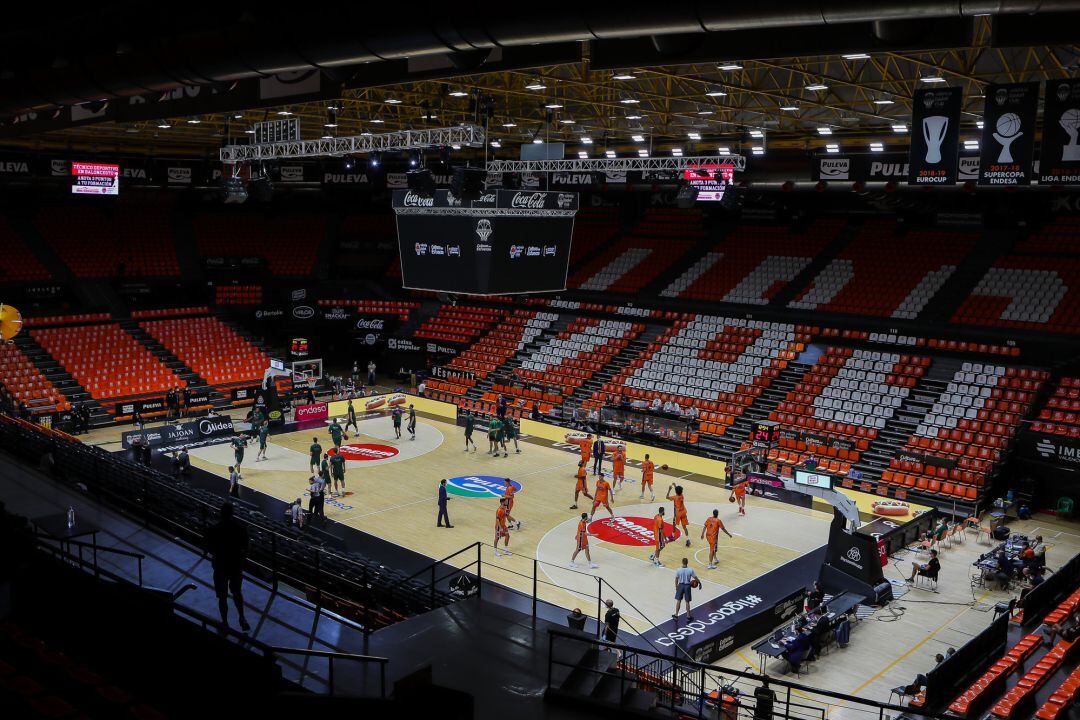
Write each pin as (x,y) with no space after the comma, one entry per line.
(598,448)
(442,506)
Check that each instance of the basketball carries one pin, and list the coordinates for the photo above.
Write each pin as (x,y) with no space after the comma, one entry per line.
(731,498)
(663,467)
(694,582)
(1008,124)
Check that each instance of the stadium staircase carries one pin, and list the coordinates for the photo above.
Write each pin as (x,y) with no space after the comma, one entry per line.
(591,387)
(166,358)
(962,282)
(329,245)
(187,254)
(802,280)
(61,379)
(506,370)
(674,271)
(592,677)
(875,460)
(770,397)
(41,249)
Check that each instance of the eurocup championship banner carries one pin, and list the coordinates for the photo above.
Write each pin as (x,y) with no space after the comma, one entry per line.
(935,137)
(1008,139)
(1059,158)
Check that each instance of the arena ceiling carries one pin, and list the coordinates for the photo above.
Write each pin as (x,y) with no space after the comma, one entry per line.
(660,92)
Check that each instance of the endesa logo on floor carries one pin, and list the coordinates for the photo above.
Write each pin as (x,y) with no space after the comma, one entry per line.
(366,451)
(318,411)
(637,531)
(479,486)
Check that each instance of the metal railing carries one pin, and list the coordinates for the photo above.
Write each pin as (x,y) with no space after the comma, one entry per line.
(331,656)
(372,595)
(271,653)
(537,582)
(688,689)
(93,559)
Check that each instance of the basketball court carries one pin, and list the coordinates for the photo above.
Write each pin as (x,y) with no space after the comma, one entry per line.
(393,484)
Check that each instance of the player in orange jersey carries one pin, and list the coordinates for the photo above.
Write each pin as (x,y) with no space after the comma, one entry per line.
(680,510)
(501,531)
(658,537)
(508,496)
(603,487)
(586,451)
(582,542)
(618,467)
(711,531)
(739,493)
(582,487)
(647,468)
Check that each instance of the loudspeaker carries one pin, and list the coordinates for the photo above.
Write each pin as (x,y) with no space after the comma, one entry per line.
(686,197)
(468,183)
(421,182)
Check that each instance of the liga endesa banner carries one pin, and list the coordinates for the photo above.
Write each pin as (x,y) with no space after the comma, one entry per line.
(1059,157)
(1008,139)
(935,137)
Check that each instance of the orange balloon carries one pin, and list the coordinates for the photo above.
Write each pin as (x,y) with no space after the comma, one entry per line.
(10,322)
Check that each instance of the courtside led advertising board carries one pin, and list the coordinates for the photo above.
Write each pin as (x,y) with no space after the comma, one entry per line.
(709,179)
(95,179)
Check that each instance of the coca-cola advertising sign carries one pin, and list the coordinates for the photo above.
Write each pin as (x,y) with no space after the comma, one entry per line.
(411,199)
(530,201)
(371,324)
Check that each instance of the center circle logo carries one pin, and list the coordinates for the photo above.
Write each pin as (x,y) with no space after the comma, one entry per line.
(637,531)
(479,486)
(366,451)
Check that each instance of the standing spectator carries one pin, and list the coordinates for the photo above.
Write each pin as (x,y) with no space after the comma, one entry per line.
(421,389)
(182,463)
(598,448)
(227,543)
(611,621)
(234,482)
(172,404)
(443,499)
(296,513)
(136,419)
(356,372)
(684,577)
(186,395)
(315,502)
(371,372)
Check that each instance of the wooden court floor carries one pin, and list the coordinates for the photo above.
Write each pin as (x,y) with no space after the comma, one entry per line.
(394,498)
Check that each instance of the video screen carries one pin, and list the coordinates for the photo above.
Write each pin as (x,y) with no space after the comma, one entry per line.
(709,179)
(95,179)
